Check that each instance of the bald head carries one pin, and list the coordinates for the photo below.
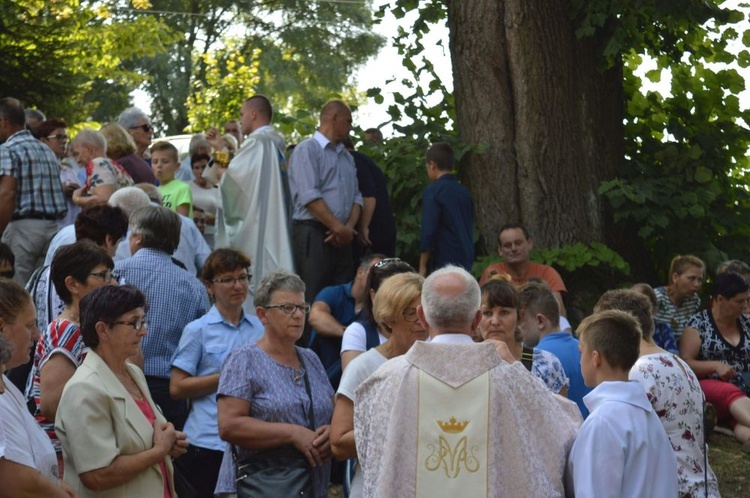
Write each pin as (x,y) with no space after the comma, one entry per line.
(450,300)
(336,121)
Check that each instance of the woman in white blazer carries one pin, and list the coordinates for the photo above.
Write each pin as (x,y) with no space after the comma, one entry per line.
(115,441)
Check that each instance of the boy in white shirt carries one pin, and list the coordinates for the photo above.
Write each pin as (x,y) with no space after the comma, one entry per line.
(621,449)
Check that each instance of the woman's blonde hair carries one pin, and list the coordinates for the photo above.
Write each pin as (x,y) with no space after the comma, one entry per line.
(119,141)
(680,264)
(394,296)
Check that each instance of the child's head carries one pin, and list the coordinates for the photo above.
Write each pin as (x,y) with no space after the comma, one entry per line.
(634,303)
(609,343)
(164,161)
(439,159)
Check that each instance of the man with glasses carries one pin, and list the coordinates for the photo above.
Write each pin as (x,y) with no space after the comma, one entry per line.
(139,126)
(31,193)
(175,298)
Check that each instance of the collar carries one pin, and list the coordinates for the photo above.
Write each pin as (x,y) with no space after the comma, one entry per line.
(449,177)
(452,338)
(324,142)
(261,129)
(151,252)
(214,316)
(20,134)
(630,392)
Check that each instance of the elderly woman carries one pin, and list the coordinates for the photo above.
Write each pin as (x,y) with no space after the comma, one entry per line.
(103,177)
(395,311)
(275,401)
(363,334)
(679,300)
(116,443)
(121,148)
(716,345)
(499,322)
(76,270)
(675,394)
(28,466)
(204,345)
(205,196)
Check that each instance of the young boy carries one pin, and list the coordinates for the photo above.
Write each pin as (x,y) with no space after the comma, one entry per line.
(176,194)
(621,449)
(447,215)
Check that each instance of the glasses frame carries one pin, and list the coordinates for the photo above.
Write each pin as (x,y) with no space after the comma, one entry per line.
(146,128)
(136,324)
(386,262)
(104,275)
(243,279)
(409,320)
(60,137)
(304,308)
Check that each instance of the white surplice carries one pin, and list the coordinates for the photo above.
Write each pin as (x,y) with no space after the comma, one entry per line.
(451,418)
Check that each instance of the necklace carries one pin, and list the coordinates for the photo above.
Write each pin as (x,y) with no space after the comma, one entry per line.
(299,375)
(131,387)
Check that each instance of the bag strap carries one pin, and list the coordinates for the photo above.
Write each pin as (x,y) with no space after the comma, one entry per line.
(527,357)
(311,413)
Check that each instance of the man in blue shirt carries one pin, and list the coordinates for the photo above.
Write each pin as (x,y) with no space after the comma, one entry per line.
(447,215)
(539,323)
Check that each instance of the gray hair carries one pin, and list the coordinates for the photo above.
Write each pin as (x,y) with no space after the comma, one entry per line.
(35,114)
(5,351)
(130,117)
(159,226)
(94,138)
(446,308)
(277,280)
(129,199)
(152,191)
(197,141)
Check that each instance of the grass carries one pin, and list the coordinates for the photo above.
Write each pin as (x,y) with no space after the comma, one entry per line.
(731,465)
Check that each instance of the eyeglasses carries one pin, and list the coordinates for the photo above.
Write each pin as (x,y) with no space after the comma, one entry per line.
(410,315)
(136,324)
(105,275)
(290,308)
(146,128)
(386,262)
(62,137)
(243,279)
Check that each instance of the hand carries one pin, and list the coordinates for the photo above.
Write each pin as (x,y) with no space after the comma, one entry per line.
(342,236)
(67,489)
(303,439)
(364,236)
(164,436)
(180,445)
(502,350)
(69,188)
(725,372)
(213,137)
(77,194)
(323,442)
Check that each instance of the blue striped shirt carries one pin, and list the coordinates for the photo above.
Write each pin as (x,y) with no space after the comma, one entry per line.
(175,298)
(37,173)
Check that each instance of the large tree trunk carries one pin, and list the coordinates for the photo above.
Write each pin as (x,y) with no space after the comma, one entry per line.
(531,92)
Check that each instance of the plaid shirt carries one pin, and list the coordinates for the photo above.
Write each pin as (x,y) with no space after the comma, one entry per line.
(175,298)
(37,173)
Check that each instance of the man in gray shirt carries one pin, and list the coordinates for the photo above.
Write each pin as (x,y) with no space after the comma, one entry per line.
(326,202)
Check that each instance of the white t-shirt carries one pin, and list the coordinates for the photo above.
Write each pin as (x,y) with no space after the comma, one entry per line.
(21,440)
(355,338)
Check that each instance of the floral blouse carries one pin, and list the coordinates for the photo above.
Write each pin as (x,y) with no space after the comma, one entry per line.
(102,171)
(677,398)
(547,367)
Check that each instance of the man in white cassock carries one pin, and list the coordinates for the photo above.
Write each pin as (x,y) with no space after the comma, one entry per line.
(453,418)
(254,210)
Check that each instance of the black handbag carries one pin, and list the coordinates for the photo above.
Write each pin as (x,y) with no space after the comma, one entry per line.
(279,472)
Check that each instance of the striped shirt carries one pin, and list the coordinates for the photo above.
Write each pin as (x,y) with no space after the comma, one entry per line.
(37,173)
(675,316)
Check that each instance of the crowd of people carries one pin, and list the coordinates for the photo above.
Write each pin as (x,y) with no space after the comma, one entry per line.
(162,346)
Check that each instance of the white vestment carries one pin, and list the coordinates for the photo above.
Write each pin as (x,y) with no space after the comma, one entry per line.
(253,216)
(449,419)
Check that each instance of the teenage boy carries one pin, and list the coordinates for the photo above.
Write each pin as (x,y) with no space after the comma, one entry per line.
(447,215)
(175,193)
(621,449)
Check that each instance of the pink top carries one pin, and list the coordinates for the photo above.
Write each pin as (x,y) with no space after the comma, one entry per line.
(149,414)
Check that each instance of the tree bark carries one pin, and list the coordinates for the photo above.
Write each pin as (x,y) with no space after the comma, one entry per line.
(552,123)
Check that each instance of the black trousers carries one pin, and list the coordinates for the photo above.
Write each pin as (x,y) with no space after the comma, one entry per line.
(174,410)
(200,467)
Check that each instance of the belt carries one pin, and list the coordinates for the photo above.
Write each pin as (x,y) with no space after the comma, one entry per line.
(311,223)
(35,216)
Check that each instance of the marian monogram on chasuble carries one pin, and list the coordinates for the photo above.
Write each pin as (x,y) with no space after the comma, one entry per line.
(453,433)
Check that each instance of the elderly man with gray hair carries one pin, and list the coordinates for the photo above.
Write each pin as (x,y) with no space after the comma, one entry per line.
(175,296)
(453,418)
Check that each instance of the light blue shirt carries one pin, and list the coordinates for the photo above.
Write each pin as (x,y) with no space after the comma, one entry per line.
(318,169)
(204,345)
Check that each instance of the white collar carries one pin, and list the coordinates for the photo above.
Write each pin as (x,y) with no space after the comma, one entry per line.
(452,338)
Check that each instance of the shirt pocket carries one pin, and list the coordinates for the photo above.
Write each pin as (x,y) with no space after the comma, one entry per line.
(213,358)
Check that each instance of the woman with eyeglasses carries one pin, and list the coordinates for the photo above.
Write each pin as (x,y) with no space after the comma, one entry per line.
(363,334)
(395,310)
(28,466)
(76,270)
(116,443)
(275,401)
(204,345)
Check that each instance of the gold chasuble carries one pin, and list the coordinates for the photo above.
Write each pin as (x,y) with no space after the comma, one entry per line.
(454,420)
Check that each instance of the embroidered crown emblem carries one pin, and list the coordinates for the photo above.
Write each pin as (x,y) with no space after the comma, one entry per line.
(453,426)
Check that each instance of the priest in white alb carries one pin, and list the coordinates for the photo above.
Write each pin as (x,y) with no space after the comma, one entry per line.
(451,418)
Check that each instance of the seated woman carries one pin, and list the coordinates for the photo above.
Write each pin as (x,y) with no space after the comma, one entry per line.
(716,345)
(275,401)
(116,443)
(362,334)
(675,394)
(103,176)
(121,148)
(204,345)
(395,311)
(76,270)
(499,322)
(28,466)
(679,300)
